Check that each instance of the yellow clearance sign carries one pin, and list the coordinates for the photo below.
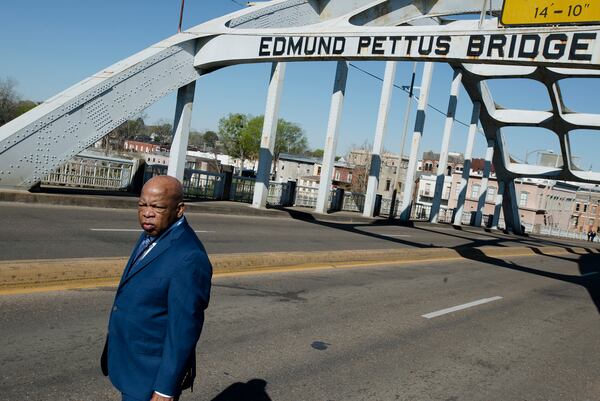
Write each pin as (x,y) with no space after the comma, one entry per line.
(550,12)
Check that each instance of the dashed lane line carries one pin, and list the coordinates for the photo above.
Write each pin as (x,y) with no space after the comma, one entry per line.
(460,307)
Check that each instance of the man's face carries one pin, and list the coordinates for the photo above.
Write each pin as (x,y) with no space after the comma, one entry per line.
(157,209)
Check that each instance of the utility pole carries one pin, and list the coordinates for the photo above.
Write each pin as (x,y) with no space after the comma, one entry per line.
(181,16)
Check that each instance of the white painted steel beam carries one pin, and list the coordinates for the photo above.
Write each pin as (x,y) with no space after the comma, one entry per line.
(443,162)
(487,168)
(181,130)
(269,134)
(409,184)
(464,182)
(380,131)
(335,115)
(36,143)
(498,205)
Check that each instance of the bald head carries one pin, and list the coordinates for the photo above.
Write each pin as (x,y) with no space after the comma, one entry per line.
(160,204)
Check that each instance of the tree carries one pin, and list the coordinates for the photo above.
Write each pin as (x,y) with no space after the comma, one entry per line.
(290,139)
(210,139)
(316,153)
(8,100)
(231,131)
(23,107)
(163,132)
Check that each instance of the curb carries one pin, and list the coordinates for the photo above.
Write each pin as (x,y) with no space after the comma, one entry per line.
(22,275)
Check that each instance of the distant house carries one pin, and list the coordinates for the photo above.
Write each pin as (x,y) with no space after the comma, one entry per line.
(141,147)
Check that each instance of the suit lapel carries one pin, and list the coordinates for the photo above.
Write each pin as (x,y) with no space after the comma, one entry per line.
(162,245)
(128,265)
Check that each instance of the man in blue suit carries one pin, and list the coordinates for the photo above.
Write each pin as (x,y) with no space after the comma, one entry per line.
(158,312)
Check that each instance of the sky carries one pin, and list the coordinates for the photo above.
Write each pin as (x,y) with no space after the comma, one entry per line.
(47,46)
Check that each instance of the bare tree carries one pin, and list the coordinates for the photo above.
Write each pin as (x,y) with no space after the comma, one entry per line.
(8,100)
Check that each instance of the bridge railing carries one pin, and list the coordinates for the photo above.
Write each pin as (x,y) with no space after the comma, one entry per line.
(197,184)
(90,171)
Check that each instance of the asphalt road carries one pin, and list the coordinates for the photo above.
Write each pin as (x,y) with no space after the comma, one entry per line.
(51,232)
(352,334)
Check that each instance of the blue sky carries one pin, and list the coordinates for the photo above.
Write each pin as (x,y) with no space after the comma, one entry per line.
(48,46)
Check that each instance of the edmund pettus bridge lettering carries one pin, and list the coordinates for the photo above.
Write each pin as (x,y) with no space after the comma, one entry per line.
(552,46)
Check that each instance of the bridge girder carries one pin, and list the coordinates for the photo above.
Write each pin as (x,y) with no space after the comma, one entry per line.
(34,144)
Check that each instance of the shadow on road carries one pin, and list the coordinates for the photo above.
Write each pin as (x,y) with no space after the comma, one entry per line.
(588,262)
(253,390)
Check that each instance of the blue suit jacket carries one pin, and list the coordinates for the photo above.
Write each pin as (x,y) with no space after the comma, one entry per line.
(157,316)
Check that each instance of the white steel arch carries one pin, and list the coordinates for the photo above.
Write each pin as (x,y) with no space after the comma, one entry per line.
(278,31)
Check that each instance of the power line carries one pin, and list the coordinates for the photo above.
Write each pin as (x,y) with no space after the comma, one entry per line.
(406,91)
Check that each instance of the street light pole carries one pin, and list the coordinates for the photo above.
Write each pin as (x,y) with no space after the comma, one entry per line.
(181,16)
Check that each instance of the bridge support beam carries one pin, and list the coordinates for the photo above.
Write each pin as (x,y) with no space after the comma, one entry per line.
(335,114)
(462,191)
(510,207)
(269,134)
(443,162)
(498,205)
(489,154)
(407,196)
(380,130)
(181,130)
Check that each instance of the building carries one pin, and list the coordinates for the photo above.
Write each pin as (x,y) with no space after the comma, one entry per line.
(392,173)
(585,215)
(141,147)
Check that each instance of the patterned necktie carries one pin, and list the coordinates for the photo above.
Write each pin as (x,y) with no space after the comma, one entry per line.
(142,247)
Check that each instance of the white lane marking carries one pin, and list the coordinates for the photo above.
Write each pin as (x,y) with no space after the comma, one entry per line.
(137,230)
(460,307)
(589,274)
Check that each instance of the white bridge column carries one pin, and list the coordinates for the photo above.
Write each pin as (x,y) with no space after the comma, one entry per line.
(464,181)
(443,162)
(335,114)
(380,130)
(416,142)
(181,130)
(498,205)
(269,134)
(510,208)
(489,154)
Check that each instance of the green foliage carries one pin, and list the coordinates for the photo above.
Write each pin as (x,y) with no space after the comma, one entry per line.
(231,131)
(210,139)
(23,107)
(316,153)
(290,139)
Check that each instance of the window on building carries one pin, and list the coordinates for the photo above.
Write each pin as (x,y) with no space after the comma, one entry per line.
(577,206)
(449,171)
(585,208)
(337,175)
(491,193)
(282,167)
(349,177)
(523,198)
(475,191)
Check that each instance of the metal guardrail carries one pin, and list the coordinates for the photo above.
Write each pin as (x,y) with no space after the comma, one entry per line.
(88,171)
(353,202)
(197,184)
(242,189)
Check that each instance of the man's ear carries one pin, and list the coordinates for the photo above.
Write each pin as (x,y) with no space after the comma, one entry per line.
(180,209)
